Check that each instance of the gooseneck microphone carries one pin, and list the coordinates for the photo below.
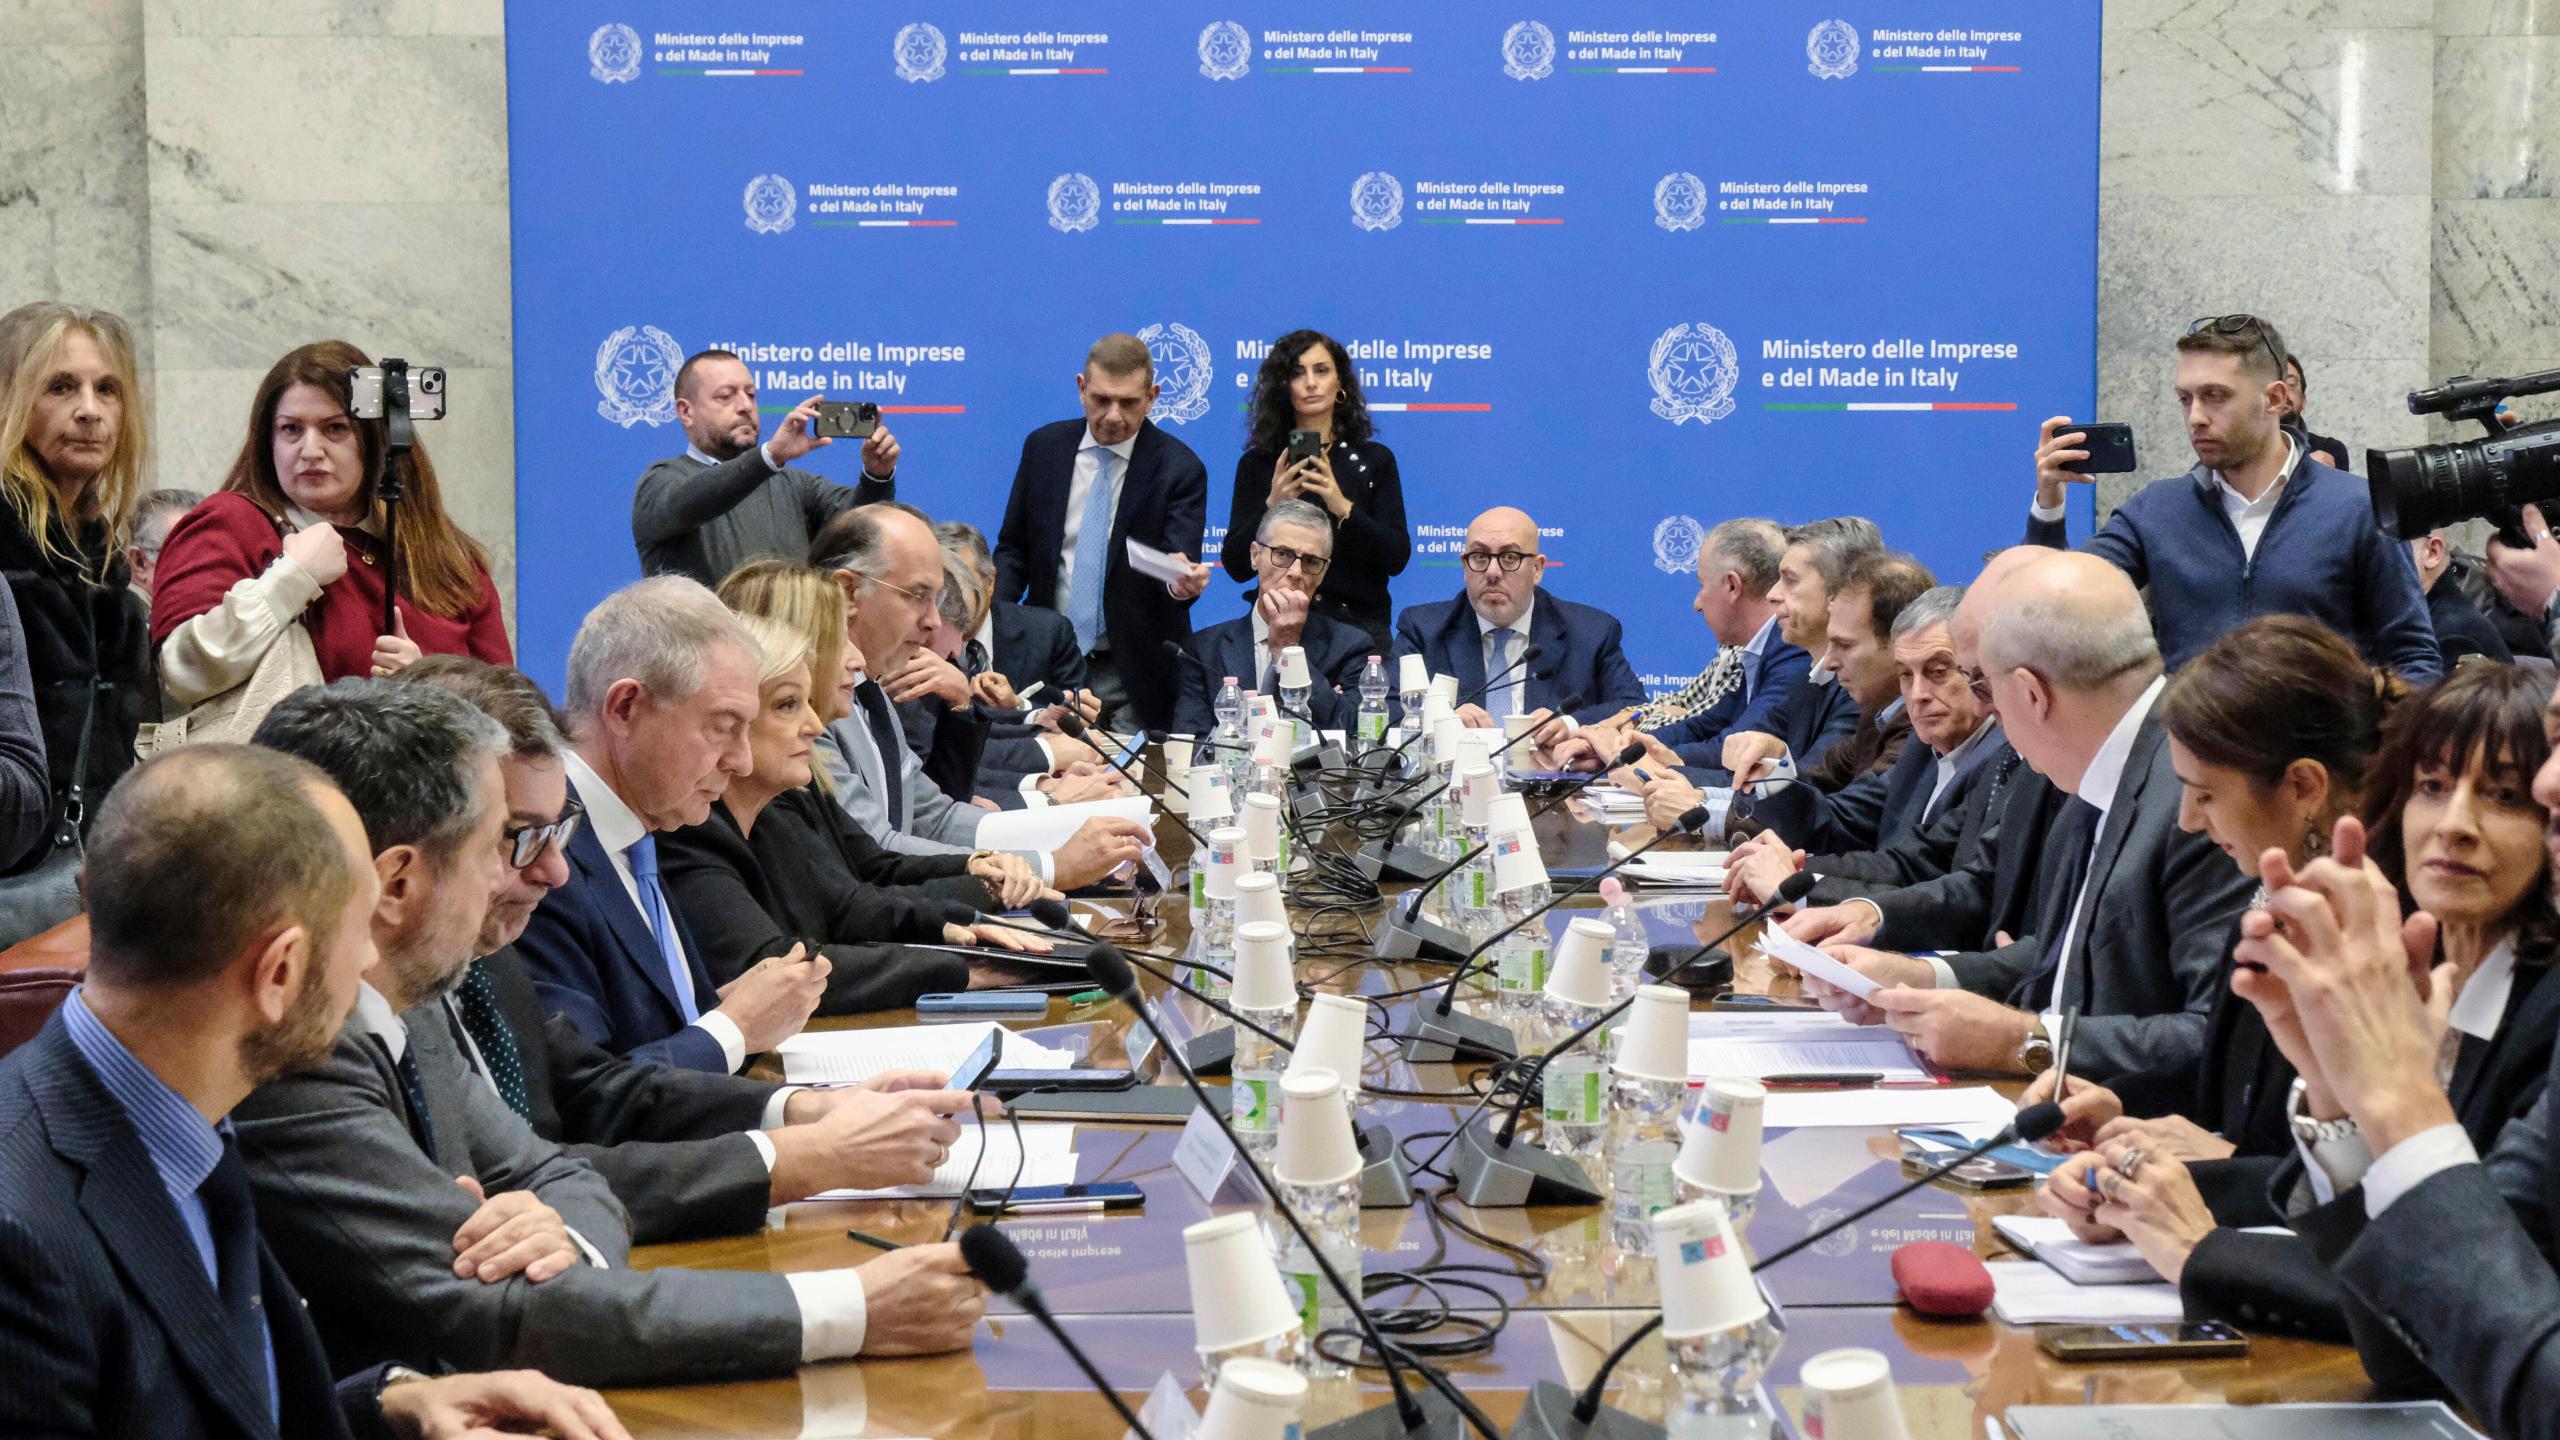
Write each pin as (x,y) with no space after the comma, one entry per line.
(1528,653)
(1440,1033)
(2030,1125)
(1437,1420)
(997,1263)
(1071,725)
(1220,1055)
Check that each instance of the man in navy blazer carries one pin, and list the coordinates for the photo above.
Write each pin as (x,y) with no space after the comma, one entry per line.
(662,688)
(1115,467)
(1291,549)
(230,894)
(1581,669)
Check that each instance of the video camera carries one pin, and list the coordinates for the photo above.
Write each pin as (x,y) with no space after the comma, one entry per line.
(2428,486)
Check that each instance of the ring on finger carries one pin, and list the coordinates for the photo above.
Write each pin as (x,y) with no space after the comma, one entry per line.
(2108,1180)
(2132,1161)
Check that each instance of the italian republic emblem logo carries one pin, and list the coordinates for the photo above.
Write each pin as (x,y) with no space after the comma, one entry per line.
(613,53)
(1225,50)
(919,52)
(770,204)
(636,374)
(1680,201)
(1528,51)
(1833,50)
(1693,370)
(1075,202)
(1183,368)
(1676,543)
(1377,201)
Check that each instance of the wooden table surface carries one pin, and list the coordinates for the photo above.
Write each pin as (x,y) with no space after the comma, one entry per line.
(1119,1281)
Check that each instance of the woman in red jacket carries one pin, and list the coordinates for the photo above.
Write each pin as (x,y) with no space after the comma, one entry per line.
(296,537)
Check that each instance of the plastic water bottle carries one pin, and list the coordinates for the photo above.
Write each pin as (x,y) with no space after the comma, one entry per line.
(1217,932)
(1297,690)
(1629,951)
(1229,742)
(1265,780)
(1471,889)
(1521,971)
(1648,1084)
(1575,1085)
(1266,995)
(1373,706)
(1328,1207)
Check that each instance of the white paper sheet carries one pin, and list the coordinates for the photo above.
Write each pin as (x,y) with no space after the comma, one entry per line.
(1850,1050)
(2050,1240)
(1047,1154)
(1928,1105)
(1049,826)
(1148,560)
(2026,1292)
(1777,944)
(846,1056)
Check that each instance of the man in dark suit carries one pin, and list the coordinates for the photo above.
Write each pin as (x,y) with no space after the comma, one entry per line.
(1291,549)
(1026,644)
(662,688)
(2134,912)
(687,1153)
(2462,627)
(1084,490)
(370,1168)
(230,892)
(1480,636)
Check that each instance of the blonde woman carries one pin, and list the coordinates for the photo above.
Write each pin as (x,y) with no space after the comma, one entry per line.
(72,441)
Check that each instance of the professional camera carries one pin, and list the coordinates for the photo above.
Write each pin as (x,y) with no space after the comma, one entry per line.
(2421,489)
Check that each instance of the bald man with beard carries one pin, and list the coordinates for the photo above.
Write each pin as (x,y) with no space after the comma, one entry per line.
(1480,636)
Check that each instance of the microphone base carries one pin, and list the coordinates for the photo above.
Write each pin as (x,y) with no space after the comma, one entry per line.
(1439,1037)
(1495,1176)
(1441,1421)
(1548,1415)
(1407,936)
(1386,860)
(1314,758)
(1384,1182)
(1211,1054)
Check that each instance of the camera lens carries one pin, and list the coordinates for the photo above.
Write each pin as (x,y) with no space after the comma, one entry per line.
(2423,488)
(430,381)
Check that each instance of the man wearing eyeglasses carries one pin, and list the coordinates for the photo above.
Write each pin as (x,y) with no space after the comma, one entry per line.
(2257,527)
(1480,637)
(1292,549)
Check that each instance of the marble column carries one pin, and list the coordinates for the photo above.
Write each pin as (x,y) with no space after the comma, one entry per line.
(2495,291)
(2268,156)
(361,195)
(73,202)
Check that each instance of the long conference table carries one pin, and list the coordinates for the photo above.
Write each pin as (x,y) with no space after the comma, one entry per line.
(1119,1282)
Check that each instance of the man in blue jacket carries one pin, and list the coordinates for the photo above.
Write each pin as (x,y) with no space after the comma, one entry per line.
(1483,636)
(2257,527)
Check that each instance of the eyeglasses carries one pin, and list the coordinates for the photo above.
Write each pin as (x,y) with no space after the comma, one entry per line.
(1510,560)
(1281,555)
(1977,681)
(2240,325)
(929,599)
(526,843)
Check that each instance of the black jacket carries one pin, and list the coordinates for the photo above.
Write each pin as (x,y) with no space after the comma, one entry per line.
(796,883)
(1371,545)
(62,600)
(1036,645)
(2461,629)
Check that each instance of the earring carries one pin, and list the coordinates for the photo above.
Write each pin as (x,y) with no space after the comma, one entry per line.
(2314,843)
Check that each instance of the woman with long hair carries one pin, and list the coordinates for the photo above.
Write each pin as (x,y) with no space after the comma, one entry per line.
(297,536)
(72,441)
(1307,382)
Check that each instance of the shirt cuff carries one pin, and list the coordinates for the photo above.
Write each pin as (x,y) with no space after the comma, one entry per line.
(2334,1167)
(834,1316)
(766,450)
(1032,797)
(1042,865)
(1045,752)
(1945,972)
(2412,1162)
(764,1147)
(594,1257)
(2047,516)
(733,1041)
(774,1106)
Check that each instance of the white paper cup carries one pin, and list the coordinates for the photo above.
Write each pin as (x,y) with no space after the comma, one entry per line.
(1177,761)
(1412,674)
(1849,1395)
(1445,731)
(1254,1400)
(1272,746)
(1434,710)
(1316,1143)
(1516,725)
(1475,795)
(1293,667)
(1224,859)
(1211,800)
(1722,1151)
(1516,862)
(1508,812)
(1236,1294)
(1446,687)
(1262,826)
(1263,980)
(1258,898)
(1705,1277)
(1334,1037)
(1259,706)
(1581,967)
(1654,1044)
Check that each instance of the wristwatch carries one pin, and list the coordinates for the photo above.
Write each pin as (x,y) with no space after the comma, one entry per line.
(2308,1130)
(2036,1055)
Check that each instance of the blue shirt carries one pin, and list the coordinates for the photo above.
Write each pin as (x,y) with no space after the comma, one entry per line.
(182,1147)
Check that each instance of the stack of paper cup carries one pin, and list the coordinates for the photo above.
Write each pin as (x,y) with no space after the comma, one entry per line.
(1581,973)
(1254,1400)
(1654,1044)
(1263,977)
(1262,827)
(1720,1158)
(1177,761)
(1334,1037)
(1258,898)
(1316,1143)
(1705,1277)
(1237,1298)
(1211,802)
(1849,1395)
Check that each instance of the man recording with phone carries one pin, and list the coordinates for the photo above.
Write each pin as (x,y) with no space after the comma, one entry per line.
(728,499)
(2257,527)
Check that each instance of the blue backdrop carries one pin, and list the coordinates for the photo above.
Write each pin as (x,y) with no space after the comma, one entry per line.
(1635,267)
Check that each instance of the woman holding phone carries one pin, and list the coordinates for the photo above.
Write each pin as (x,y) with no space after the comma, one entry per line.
(1311,440)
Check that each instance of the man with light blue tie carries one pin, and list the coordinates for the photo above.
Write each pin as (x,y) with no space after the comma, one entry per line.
(662,688)
(1084,490)
(1484,636)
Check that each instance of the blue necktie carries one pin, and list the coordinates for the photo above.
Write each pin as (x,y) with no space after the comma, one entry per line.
(643,855)
(1093,556)
(1504,698)
(231,1217)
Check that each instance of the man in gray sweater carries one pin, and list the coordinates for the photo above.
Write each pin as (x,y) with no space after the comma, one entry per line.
(727,499)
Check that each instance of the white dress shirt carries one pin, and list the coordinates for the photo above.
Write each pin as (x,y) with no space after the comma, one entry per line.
(1752,650)
(2098,786)
(2248,516)
(1954,759)
(1079,492)
(617,829)
(1516,685)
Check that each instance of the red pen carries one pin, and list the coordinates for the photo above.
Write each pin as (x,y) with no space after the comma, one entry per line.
(1822,1082)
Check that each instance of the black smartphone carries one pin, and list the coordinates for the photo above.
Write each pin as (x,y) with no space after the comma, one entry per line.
(1066,1082)
(972,1073)
(1978,1175)
(1763,1004)
(2110,448)
(1304,445)
(2204,1340)
(1054,1199)
(847,419)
